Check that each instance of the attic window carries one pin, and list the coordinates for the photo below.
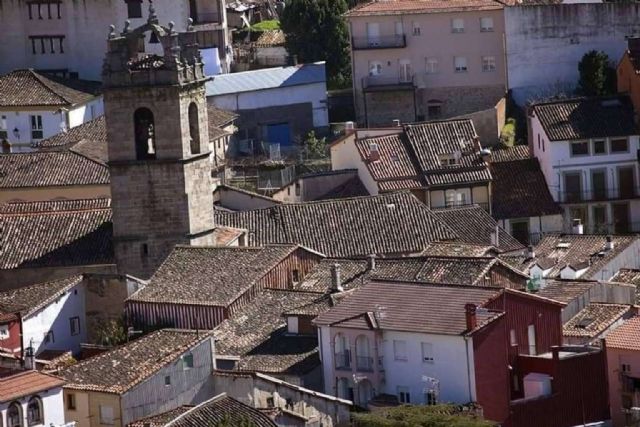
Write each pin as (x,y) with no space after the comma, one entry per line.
(448,159)
(584,322)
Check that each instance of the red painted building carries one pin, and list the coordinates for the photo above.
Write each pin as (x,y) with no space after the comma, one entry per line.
(10,332)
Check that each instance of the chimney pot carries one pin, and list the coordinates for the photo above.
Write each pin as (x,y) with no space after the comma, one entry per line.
(470,316)
(609,244)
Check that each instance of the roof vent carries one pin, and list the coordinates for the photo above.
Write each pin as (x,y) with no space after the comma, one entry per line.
(391,205)
(563,245)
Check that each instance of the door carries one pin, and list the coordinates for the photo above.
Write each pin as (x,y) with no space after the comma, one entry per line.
(405,71)
(626,183)
(373,33)
(572,187)
(279,133)
(621,217)
(599,185)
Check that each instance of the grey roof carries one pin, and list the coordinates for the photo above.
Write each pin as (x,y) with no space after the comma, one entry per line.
(268,78)
(222,410)
(29,299)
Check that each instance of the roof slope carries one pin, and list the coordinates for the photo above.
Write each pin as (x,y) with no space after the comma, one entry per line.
(120,369)
(22,88)
(519,190)
(16,385)
(630,276)
(474,225)
(403,7)
(565,291)
(193,275)
(222,409)
(57,233)
(29,299)
(412,307)
(160,420)
(587,118)
(626,336)
(594,319)
(267,78)
(88,139)
(50,169)
(386,224)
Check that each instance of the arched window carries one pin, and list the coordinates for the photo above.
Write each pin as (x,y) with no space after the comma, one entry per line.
(194,128)
(14,415)
(341,348)
(35,414)
(144,128)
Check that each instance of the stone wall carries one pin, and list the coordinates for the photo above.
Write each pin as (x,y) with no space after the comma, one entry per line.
(488,123)
(383,107)
(18,277)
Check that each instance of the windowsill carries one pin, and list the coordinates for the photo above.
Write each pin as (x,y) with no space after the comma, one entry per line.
(489,71)
(486,30)
(461,71)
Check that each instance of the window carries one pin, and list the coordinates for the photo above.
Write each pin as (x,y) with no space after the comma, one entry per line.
(14,415)
(572,187)
(486,24)
(447,160)
(404,396)
(167,380)
(399,29)
(36,127)
(42,9)
(41,45)
(416,28)
(460,64)
(599,184)
(375,68)
(71,401)
(457,25)
(106,415)
(619,146)
(49,338)
(74,324)
(34,412)
(144,250)
(432,65)
(297,188)
(599,146)
(296,276)
(626,367)
(599,219)
(488,63)
(434,109)
(194,129)
(427,352)
(580,148)
(144,131)
(531,333)
(292,324)
(134,8)
(3,127)
(513,340)
(399,350)
(188,361)
(431,397)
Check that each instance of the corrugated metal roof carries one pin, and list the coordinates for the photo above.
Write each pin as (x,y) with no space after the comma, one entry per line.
(268,78)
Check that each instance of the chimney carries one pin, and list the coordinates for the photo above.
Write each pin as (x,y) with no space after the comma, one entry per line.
(349,128)
(336,281)
(30,357)
(476,143)
(470,315)
(374,152)
(495,236)
(530,252)
(609,244)
(372,262)
(577,227)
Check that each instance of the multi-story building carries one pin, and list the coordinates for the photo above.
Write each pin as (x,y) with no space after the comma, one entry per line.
(67,37)
(588,152)
(415,60)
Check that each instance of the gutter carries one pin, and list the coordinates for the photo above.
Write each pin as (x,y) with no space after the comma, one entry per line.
(466,346)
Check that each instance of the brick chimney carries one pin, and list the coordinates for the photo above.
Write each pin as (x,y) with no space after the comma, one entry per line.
(470,315)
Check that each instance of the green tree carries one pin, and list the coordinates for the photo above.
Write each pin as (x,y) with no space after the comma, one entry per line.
(420,416)
(316,147)
(315,30)
(597,76)
(111,332)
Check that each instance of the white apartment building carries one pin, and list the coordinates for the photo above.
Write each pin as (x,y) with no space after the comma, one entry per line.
(588,151)
(69,37)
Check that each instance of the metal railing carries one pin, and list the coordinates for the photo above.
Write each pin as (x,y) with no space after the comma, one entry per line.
(600,194)
(342,360)
(379,81)
(379,42)
(364,363)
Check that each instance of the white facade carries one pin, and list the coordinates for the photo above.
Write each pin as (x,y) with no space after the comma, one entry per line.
(83,28)
(52,407)
(55,322)
(48,122)
(599,206)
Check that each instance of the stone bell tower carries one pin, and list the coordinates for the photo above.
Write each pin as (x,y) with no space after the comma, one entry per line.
(156,115)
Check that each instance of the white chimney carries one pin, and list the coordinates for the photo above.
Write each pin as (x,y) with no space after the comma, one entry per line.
(336,280)
(372,262)
(495,237)
(609,244)
(374,152)
(349,127)
(577,227)
(396,123)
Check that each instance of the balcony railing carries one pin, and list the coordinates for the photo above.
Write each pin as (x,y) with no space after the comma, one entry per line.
(384,42)
(596,195)
(364,363)
(373,82)
(343,360)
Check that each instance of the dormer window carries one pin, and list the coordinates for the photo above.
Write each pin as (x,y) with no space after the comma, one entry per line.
(448,159)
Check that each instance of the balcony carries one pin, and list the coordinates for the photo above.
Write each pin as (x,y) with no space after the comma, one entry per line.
(598,195)
(381,83)
(386,42)
(343,361)
(364,364)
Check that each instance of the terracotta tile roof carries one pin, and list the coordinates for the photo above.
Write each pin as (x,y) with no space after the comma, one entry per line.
(193,275)
(474,225)
(411,307)
(565,291)
(560,250)
(271,38)
(220,410)
(57,233)
(403,7)
(387,224)
(509,154)
(30,299)
(459,249)
(594,319)
(412,159)
(519,190)
(580,118)
(626,336)
(17,385)
(160,420)
(630,276)
(225,236)
(120,369)
(52,169)
(21,88)
(92,131)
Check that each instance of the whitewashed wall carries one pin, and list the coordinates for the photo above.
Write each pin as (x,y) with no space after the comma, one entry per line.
(52,404)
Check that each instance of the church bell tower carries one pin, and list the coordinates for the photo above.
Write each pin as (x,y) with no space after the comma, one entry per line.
(156,115)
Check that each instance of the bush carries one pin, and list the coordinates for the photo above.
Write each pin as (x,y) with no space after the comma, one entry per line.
(421,416)
(508,133)
(597,75)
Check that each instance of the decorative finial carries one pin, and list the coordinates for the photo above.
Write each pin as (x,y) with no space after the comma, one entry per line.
(190,24)
(153,18)
(127,24)
(112,31)
(171,25)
